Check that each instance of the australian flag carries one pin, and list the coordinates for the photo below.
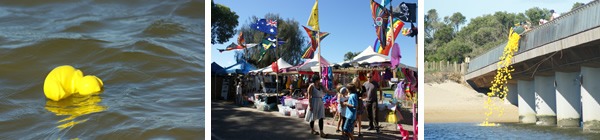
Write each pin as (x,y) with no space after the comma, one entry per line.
(266,26)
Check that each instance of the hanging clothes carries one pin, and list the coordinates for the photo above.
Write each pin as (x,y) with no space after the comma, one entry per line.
(399,92)
(300,81)
(388,74)
(256,82)
(395,56)
(330,78)
(376,75)
(361,76)
(400,73)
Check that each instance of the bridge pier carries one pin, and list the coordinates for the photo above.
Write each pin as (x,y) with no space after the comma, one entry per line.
(512,97)
(568,99)
(590,98)
(545,100)
(526,101)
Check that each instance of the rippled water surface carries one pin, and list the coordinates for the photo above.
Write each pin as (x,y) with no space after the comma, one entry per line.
(150,55)
(506,131)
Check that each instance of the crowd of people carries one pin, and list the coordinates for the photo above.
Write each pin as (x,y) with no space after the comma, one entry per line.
(353,100)
(525,26)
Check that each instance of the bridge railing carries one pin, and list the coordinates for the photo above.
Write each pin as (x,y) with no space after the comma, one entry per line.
(578,20)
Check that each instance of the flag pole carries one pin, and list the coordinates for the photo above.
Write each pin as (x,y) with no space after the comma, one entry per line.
(393,35)
(319,46)
(392,18)
(276,59)
(319,55)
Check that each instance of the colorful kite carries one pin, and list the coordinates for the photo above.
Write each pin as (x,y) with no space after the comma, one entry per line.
(241,40)
(309,53)
(241,44)
(313,43)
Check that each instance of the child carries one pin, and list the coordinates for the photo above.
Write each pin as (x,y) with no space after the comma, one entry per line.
(351,111)
(342,97)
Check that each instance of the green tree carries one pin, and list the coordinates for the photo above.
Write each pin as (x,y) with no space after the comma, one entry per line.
(576,5)
(449,43)
(431,21)
(455,51)
(444,34)
(535,14)
(223,23)
(288,30)
(350,55)
(457,19)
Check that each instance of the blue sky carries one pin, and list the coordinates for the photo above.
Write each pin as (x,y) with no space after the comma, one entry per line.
(482,7)
(349,23)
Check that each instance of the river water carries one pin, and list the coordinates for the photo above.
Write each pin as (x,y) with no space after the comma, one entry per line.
(508,131)
(150,55)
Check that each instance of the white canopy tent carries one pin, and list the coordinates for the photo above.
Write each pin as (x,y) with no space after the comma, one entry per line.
(312,65)
(369,56)
(280,63)
(260,70)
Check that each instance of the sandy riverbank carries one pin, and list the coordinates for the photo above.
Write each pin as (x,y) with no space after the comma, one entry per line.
(451,102)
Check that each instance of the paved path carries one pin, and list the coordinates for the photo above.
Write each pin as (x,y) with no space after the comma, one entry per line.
(233,122)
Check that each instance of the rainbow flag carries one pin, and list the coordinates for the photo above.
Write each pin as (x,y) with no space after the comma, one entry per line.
(381,20)
(397,26)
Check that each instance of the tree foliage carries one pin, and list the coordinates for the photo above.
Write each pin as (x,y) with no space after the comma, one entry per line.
(577,5)
(350,55)
(431,22)
(288,31)
(535,14)
(447,41)
(223,23)
(457,19)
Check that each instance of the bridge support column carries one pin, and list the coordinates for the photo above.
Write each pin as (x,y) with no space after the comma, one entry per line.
(568,99)
(526,101)
(590,96)
(511,97)
(545,100)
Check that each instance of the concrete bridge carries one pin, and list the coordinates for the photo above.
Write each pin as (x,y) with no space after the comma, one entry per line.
(557,71)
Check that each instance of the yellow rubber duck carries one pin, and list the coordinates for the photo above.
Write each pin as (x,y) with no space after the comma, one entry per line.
(65,80)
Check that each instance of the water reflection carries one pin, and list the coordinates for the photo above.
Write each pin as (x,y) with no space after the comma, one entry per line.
(73,107)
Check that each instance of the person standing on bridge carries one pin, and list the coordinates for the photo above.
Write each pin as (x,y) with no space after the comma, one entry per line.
(554,15)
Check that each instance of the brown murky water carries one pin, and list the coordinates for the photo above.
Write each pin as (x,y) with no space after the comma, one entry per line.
(150,55)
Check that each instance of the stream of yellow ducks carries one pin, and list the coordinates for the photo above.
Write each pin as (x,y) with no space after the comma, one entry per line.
(74,107)
(499,87)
